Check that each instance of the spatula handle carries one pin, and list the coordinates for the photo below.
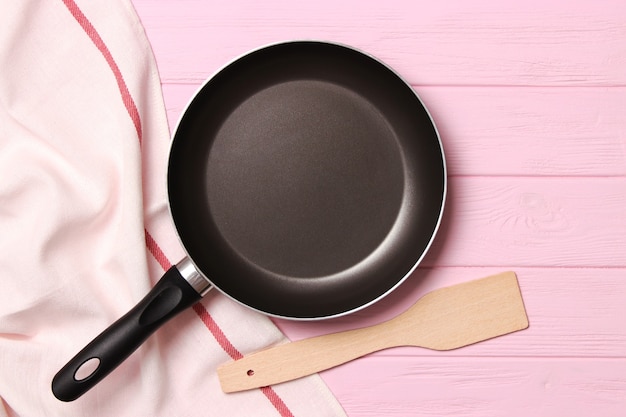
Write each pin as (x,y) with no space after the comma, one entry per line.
(304,357)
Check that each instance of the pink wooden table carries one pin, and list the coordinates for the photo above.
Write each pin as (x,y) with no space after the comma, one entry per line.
(530,101)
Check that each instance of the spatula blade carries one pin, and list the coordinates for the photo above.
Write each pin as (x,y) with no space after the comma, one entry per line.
(463,314)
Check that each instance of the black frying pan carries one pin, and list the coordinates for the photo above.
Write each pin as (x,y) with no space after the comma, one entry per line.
(306,180)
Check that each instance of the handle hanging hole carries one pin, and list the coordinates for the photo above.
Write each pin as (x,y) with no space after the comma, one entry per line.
(250,372)
(87,369)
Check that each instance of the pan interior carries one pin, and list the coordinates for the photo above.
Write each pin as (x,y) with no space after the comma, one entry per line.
(306,180)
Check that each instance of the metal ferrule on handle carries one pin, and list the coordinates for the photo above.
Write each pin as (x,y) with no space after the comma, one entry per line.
(190,273)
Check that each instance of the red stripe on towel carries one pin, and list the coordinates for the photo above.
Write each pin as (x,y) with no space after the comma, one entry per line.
(151,243)
(216,331)
(91,31)
(277,402)
(156,251)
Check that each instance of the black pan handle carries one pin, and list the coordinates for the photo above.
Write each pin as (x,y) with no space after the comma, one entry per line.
(168,297)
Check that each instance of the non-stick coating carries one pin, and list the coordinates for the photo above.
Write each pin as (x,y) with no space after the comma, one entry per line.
(306,180)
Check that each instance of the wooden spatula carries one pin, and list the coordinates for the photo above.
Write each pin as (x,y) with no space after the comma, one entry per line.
(444,319)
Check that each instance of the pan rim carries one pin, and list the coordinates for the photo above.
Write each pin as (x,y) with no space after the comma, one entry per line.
(188,259)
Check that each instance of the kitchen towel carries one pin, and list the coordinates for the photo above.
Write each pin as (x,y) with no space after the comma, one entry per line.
(85,229)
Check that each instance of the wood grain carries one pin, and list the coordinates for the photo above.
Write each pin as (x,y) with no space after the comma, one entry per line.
(442,43)
(481,387)
(535,221)
(532,131)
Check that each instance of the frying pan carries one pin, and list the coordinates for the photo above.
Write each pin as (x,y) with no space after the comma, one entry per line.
(306,180)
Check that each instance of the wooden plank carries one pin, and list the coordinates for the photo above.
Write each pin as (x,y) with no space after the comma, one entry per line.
(554,221)
(513,131)
(572,312)
(446,43)
(485,387)
(530,131)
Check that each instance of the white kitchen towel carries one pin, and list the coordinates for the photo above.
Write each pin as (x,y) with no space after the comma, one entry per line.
(85,231)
